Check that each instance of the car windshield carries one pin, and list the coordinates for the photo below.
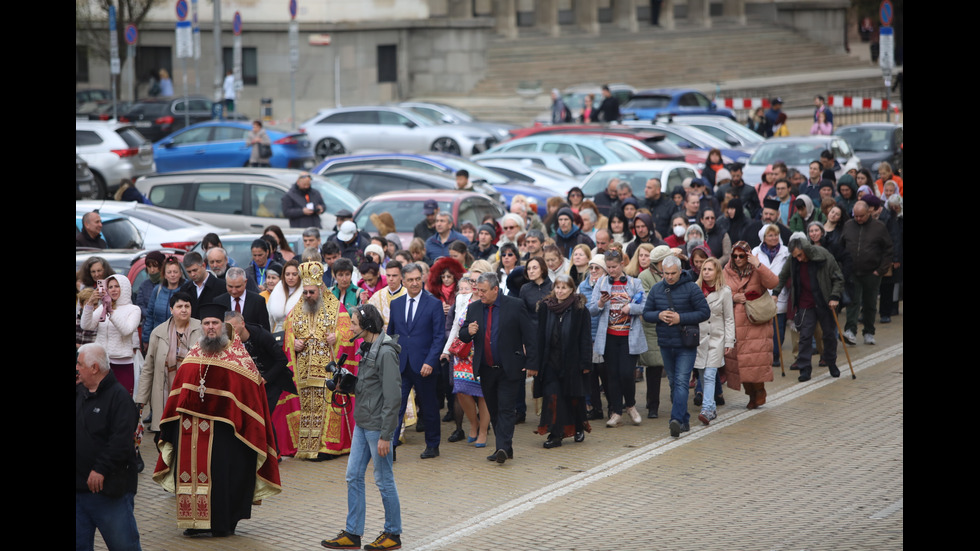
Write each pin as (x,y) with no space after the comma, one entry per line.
(867,139)
(154,109)
(335,196)
(477,172)
(637,179)
(165,221)
(791,153)
(575,166)
(647,102)
(132,137)
(624,151)
(121,234)
(407,214)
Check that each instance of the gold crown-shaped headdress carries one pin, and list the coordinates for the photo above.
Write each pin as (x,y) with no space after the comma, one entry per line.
(312,273)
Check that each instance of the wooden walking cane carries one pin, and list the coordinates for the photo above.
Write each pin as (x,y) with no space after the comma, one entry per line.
(779,341)
(843,343)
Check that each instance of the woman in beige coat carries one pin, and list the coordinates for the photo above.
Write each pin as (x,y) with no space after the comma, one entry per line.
(717,333)
(169,344)
(750,362)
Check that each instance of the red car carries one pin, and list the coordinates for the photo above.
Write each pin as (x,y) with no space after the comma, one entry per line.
(653,145)
(406,209)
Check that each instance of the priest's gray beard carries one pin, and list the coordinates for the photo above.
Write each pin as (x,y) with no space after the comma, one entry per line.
(213,345)
(313,307)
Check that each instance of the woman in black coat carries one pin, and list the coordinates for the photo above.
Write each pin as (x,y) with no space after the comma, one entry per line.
(565,356)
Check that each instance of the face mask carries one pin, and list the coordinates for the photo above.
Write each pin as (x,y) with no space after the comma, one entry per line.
(679,231)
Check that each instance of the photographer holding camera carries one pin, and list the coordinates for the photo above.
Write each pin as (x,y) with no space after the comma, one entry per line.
(378,391)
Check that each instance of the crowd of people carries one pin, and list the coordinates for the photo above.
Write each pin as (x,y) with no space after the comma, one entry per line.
(698,287)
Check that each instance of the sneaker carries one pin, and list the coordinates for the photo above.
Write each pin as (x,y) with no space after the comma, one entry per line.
(685,427)
(849,337)
(707,416)
(386,541)
(615,420)
(634,415)
(675,428)
(344,540)
(698,399)
(869,338)
(886,319)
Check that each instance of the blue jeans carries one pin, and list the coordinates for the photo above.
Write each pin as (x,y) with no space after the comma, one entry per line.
(678,363)
(364,447)
(710,376)
(113,516)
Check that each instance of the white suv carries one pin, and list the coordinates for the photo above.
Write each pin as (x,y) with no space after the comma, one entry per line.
(115,152)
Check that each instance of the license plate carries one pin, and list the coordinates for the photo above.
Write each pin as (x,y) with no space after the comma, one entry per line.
(84,188)
(143,124)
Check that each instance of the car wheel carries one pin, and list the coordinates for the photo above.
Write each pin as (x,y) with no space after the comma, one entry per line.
(98,187)
(446,145)
(327,147)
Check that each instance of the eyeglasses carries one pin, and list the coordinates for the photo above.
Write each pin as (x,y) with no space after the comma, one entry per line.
(305,292)
(508,254)
(739,256)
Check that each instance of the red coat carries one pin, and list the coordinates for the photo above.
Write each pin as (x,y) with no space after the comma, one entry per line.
(751,359)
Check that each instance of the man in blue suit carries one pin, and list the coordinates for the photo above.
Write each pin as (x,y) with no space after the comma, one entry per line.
(418,320)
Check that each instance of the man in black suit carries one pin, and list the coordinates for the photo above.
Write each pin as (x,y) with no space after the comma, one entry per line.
(418,320)
(250,305)
(267,354)
(503,343)
(202,286)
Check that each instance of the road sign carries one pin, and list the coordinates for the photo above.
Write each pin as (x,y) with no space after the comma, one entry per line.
(236,23)
(886,48)
(131,34)
(886,13)
(114,65)
(319,40)
(292,9)
(185,40)
(293,45)
(181,9)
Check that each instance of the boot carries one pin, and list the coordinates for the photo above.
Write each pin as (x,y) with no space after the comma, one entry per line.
(760,394)
(750,390)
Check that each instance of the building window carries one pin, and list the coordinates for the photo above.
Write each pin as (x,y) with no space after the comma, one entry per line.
(149,61)
(250,64)
(388,63)
(81,63)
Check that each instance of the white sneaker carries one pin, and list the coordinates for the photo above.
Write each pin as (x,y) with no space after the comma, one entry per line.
(634,415)
(614,421)
(849,337)
(869,338)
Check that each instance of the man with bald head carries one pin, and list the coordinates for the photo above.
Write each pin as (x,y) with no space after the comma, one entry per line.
(868,242)
(608,200)
(91,234)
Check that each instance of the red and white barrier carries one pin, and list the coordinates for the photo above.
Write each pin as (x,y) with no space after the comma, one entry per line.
(745,103)
(857,102)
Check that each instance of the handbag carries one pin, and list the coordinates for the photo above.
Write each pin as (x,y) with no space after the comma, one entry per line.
(761,310)
(265,151)
(460,349)
(690,334)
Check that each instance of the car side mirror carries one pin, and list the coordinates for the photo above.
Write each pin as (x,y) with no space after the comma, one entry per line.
(168,144)
(410,124)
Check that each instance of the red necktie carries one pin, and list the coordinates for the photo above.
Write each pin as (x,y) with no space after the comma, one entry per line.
(238,306)
(486,337)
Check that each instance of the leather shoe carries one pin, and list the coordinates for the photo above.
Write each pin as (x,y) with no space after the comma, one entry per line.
(580,436)
(493,456)
(197,533)
(595,414)
(500,456)
(457,435)
(448,417)
(651,414)
(804,375)
(552,443)
(521,418)
(834,372)
(429,453)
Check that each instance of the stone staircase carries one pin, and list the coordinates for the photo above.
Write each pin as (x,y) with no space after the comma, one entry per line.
(754,57)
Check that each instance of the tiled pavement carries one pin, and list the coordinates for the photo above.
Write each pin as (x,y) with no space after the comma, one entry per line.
(819,467)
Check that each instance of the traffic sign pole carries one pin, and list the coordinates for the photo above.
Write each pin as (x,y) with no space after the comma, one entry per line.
(113,56)
(293,57)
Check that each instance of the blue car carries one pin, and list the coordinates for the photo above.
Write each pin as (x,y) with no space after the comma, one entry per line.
(221,144)
(649,104)
(500,186)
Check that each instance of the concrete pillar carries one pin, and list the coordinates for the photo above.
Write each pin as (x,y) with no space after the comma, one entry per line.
(734,10)
(505,18)
(546,16)
(667,14)
(461,9)
(587,16)
(624,14)
(698,13)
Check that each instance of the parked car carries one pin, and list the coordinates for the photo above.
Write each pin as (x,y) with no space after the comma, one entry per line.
(118,230)
(563,163)
(91,95)
(524,170)
(242,199)
(734,134)
(85,187)
(101,110)
(349,129)
(216,144)
(157,118)
(875,142)
(649,104)
(406,206)
(689,137)
(454,115)
(796,152)
(670,173)
(574,98)
(159,228)
(116,153)
(594,151)
(238,245)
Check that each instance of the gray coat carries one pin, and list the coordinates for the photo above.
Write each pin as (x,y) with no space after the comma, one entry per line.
(155,380)
(652,357)
(379,387)
(637,342)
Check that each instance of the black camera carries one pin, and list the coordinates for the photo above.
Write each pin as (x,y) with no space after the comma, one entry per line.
(343,381)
